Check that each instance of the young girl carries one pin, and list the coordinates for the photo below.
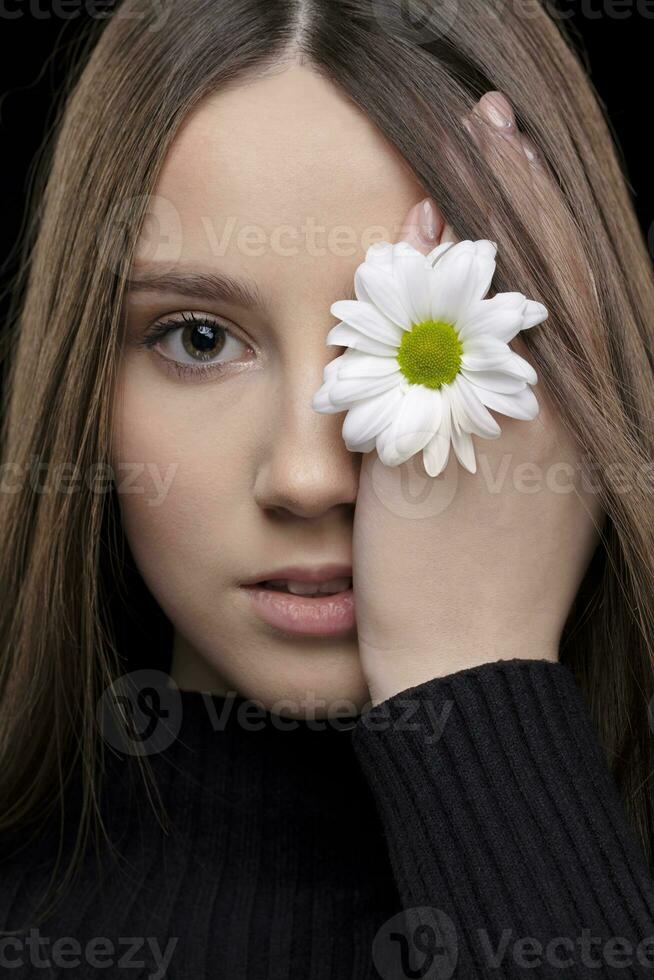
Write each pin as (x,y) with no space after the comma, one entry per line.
(441,767)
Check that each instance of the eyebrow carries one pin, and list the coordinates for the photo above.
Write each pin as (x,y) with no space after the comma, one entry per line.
(213,286)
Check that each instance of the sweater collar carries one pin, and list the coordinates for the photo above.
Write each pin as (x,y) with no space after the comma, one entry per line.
(204,712)
(227,754)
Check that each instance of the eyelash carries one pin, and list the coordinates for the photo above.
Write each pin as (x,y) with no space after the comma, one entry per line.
(162,328)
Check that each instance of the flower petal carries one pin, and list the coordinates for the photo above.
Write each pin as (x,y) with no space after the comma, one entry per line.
(438,252)
(461,277)
(367,319)
(344,335)
(472,416)
(464,449)
(534,314)
(412,272)
(330,370)
(494,379)
(384,292)
(461,440)
(437,451)
(518,367)
(357,364)
(365,447)
(416,419)
(485,269)
(365,420)
(348,390)
(381,254)
(450,283)
(321,401)
(521,405)
(493,318)
(502,317)
(484,352)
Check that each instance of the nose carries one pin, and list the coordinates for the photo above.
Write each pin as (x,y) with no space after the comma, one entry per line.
(305,470)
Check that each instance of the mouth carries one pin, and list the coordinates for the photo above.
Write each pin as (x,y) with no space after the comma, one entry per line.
(308,589)
(322,607)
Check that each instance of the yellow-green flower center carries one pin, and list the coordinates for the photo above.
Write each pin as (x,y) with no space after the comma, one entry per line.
(430,353)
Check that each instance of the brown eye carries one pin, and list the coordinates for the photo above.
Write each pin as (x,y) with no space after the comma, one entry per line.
(203,341)
(195,339)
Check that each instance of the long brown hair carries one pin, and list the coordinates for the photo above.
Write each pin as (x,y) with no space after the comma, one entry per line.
(63,558)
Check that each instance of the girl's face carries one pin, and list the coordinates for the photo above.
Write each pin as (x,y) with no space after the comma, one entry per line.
(280,184)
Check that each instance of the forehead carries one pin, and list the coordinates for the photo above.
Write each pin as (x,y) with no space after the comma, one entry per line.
(277,177)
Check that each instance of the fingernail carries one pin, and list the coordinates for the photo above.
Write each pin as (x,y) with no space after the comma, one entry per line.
(530,151)
(429,222)
(497,109)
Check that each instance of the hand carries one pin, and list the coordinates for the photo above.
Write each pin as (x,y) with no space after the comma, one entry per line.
(466,568)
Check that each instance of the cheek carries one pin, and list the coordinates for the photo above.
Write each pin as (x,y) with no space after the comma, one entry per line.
(182,462)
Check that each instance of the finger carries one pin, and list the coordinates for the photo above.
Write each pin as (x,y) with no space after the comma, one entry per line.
(492,125)
(534,157)
(423,226)
(514,157)
(496,130)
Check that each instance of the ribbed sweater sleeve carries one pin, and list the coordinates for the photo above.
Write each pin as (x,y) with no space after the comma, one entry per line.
(508,840)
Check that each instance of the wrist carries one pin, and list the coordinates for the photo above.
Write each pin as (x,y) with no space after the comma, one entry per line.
(389,672)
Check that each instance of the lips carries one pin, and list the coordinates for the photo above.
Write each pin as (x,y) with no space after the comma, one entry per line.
(305,600)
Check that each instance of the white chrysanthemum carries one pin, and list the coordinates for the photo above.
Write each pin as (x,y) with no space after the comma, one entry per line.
(428,355)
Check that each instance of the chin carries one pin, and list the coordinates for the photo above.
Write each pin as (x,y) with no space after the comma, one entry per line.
(295,676)
(313,679)
(314,694)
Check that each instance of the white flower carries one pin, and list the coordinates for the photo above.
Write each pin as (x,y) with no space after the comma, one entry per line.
(427,354)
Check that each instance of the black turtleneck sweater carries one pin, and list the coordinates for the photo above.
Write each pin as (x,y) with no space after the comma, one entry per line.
(465,827)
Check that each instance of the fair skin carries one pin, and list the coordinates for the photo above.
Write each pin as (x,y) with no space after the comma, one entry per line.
(261,480)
